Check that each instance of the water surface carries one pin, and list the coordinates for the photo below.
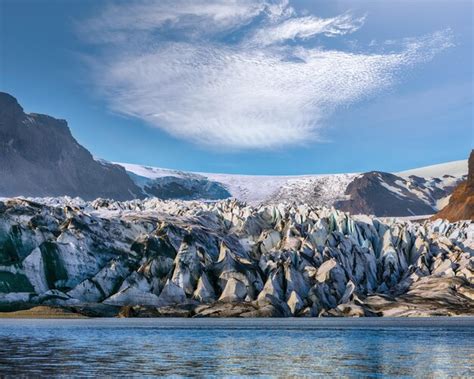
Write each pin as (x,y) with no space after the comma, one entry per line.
(238,347)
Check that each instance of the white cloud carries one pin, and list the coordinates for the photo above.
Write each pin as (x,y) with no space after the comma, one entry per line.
(120,21)
(306,27)
(254,93)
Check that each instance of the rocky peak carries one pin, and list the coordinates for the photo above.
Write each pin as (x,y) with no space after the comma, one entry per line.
(9,105)
(40,157)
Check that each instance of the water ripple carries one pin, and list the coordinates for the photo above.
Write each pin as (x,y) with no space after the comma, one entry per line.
(282,348)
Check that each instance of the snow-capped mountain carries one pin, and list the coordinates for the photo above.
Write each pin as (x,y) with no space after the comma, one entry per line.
(39,157)
(421,191)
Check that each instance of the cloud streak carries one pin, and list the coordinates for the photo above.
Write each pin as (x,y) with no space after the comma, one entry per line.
(221,74)
(307,27)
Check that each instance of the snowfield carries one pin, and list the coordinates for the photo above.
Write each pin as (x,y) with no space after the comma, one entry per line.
(257,189)
(454,168)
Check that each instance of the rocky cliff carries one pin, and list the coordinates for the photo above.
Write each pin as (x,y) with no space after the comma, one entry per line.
(156,258)
(461,202)
(40,157)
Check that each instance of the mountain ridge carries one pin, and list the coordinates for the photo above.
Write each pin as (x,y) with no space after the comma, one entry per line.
(401,194)
(39,157)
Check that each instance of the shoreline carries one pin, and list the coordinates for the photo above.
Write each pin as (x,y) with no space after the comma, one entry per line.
(55,312)
(42,312)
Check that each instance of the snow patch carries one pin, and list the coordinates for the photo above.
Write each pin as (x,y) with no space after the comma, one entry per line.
(455,168)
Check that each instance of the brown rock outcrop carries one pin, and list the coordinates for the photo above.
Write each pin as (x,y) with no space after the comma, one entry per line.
(461,203)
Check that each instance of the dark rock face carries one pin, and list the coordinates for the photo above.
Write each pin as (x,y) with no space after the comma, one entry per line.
(461,203)
(40,157)
(384,194)
(171,187)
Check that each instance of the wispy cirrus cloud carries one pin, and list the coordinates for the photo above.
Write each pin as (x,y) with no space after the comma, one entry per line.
(121,21)
(220,74)
(307,27)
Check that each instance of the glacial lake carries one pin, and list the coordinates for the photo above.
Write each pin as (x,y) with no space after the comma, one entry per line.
(426,347)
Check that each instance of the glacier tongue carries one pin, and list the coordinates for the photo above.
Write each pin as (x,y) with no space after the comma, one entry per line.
(226,258)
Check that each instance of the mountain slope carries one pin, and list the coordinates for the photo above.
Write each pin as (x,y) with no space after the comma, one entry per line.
(385,194)
(171,184)
(40,157)
(378,193)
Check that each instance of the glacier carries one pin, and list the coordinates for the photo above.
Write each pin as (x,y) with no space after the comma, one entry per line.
(155,257)
(418,192)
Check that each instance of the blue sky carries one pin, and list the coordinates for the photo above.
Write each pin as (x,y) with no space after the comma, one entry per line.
(251,87)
